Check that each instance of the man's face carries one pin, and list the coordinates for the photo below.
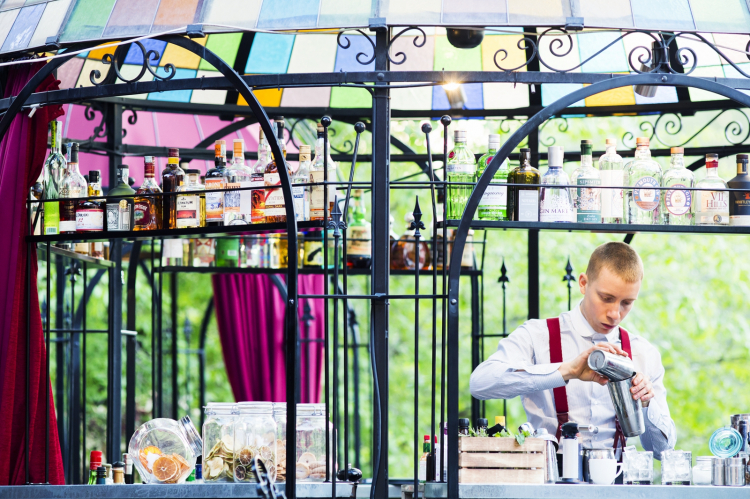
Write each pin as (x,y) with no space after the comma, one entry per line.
(607,299)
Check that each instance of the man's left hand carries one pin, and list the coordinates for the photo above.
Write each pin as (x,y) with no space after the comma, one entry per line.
(642,389)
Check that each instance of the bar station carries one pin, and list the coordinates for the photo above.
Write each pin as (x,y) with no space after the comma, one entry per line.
(260,156)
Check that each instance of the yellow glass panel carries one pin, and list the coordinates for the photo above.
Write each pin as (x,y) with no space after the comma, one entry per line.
(622,96)
(99,53)
(180,57)
(268,97)
(515,57)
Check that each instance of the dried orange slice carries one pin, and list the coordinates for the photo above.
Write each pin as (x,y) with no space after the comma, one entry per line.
(246,456)
(181,461)
(143,455)
(165,468)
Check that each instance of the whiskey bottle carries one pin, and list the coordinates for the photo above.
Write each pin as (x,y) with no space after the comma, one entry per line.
(147,209)
(72,187)
(318,210)
(238,204)
(171,178)
(358,235)
(677,202)
(525,200)
(257,181)
(275,206)
(120,211)
(191,201)
(612,175)
(461,168)
(301,194)
(586,199)
(216,179)
(494,202)
(739,205)
(90,212)
(54,168)
(643,176)
(712,207)
(556,204)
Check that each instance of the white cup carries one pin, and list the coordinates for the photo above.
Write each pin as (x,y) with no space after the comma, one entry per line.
(604,471)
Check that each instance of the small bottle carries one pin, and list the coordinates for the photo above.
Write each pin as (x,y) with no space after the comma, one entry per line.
(462,168)
(216,179)
(118,473)
(676,208)
(90,212)
(463,427)
(318,210)
(238,205)
(739,205)
(494,202)
(301,194)
(191,201)
(423,459)
(72,187)
(612,175)
(257,181)
(101,475)
(147,209)
(524,201)
(555,204)
(129,478)
(95,460)
(54,168)
(480,425)
(358,234)
(643,176)
(108,479)
(587,200)
(275,207)
(712,207)
(199,469)
(120,211)
(172,177)
(403,253)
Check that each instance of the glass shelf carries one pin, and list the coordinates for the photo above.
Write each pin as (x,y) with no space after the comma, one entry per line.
(302,271)
(90,261)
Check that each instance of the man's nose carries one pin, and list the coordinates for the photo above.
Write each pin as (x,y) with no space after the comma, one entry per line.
(614,313)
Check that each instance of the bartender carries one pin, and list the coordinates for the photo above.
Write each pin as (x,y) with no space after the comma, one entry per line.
(546,361)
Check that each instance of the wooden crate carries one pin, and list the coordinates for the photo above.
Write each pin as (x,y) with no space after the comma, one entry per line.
(501,460)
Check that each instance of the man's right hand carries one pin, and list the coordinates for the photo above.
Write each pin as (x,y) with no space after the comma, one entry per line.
(579,368)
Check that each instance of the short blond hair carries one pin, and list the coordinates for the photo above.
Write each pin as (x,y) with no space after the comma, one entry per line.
(618,257)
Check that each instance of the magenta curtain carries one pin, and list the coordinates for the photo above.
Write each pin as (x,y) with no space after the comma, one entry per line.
(250,316)
(22,154)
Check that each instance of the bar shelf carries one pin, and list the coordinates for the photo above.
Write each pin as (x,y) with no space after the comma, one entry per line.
(88,260)
(603,228)
(315,271)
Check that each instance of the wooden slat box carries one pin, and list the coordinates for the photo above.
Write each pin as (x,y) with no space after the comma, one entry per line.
(501,460)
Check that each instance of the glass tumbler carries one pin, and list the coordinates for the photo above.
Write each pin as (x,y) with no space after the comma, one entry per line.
(638,467)
(676,467)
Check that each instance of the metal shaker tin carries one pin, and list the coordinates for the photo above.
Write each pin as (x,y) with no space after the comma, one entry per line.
(717,471)
(614,367)
(734,472)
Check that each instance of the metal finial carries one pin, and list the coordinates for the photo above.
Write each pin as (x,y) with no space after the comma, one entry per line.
(417,223)
(426,128)
(307,315)
(504,279)
(325,121)
(445,120)
(569,277)
(359,127)
(335,222)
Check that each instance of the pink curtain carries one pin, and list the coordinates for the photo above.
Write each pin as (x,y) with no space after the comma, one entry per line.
(250,316)
(22,154)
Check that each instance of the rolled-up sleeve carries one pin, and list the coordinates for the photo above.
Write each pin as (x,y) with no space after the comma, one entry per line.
(511,370)
(660,432)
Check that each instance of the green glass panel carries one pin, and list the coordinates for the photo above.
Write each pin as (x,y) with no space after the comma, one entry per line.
(450,58)
(223,45)
(350,98)
(87,20)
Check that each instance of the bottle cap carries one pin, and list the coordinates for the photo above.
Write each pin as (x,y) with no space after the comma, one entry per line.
(118,464)
(238,148)
(95,460)
(741,157)
(192,171)
(481,422)
(149,159)
(677,150)
(494,139)
(321,129)
(586,147)
(357,193)
(174,152)
(459,135)
(304,149)
(95,176)
(641,141)
(74,152)
(611,142)
(426,438)
(712,160)
(220,148)
(101,472)
(463,423)
(555,156)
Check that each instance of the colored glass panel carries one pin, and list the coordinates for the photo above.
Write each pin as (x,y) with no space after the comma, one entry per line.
(24,27)
(313,54)
(336,13)
(174,95)
(417,58)
(68,73)
(562,45)
(414,12)
(224,45)
(99,53)
(175,14)
(656,14)
(616,97)
(698,95)
(729,42)
(6,23)
(268,97)
(12,4)
(243,13)
(131,17)
(84,79)
(473,92)
(706,55)
(505,95)
(49,24)
(180,57)
(612,60)
(306,97)
(513,57)
(612,13)
(135,55)
(419,98)
(289,14)
(350,98)
(482,12)
(543,12)
(130,71)
(269,53)
(87,20)
(449,58)
(208,96)
(346,59)
(664,95)
(551,93)
(729,16)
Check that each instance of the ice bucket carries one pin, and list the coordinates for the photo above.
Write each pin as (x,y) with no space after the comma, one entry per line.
(628,411)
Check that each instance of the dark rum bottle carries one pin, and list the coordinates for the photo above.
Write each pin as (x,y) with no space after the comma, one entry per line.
(275,208)
(147,210)
(171,178)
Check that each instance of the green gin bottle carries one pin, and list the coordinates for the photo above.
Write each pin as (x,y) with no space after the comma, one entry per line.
(461,168)
(494,202)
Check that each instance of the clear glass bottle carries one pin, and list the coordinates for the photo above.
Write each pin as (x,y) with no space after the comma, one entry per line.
(254,435)
(147,209)
(494,202)
(54,168)
(712,207)
(556,204)
(358,234)
(461,167)
(523,202)
(643,176)
(423,460)
(95,460)
(612,174)
(90,212)
(166,450)
(677,202)
(238,204)
(403,253)
(72,187)
(191,206)
(218,441)
(216,178)
(317,194)
(275,207)
(257,181)
(301,194)
(739,205)
(311,443)
(172,177)
(586,199)
(120,211)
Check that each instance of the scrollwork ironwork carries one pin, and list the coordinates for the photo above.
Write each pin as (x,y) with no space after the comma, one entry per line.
(416,43)
(397,59)
(668,127)
(349,44)
(100,130)
(147,56)
(562,127)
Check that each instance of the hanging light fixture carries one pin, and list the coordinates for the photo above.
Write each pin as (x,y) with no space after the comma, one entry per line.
(456,95)
(659,56)
(463,38)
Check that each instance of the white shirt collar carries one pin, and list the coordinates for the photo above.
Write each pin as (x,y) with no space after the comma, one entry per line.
(583,328)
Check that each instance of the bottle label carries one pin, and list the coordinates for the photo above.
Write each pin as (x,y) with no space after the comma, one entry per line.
(462,168)
(232,202)
(738,215)
(713,208)
(67,226)
(555,206)
(214,200)
(51,218)
(274,197)
(313,252)
(118,215)
(588,206)
(678,201)
(359,241)
(246,200)
(188,211)
(67,214)
(495,197)
(258,199)
(612,199)
(142,214)
(528,205)
(317,197)
(646,193)
(301,197)
(89,220)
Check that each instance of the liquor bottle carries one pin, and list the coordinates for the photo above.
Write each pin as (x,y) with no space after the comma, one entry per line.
(54,168)
(739,201)
(101,475)
(129,479)
(72,186)
(556,204)
(587,200)
(358,234)
(147,209)
(677,202)
(95,460)
(317,175)
(216,179)
(228,252)
(301,194)
(524,201)
(108,474)
(643,175)
(461,167)
(403,251)
(275,205)
(90,212)
(171,178)
(494,202)
(712,207)
(118,473)
(238,204)
(612,175)
(257,181)
(36,192)
(199,470)
(120,211)
(191,201)
(423,459)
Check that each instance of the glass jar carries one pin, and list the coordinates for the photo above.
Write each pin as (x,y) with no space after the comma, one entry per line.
(218,442)
(725,442)
(311,443)
(279,417)
(702,470)
(166,450)
(254,435)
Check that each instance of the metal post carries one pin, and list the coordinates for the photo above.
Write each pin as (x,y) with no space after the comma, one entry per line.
(415,225)
(114,366)
(60,349)
(173,318)
(533,274)
(47,354)
(476,355)
(113,119)
(135,257)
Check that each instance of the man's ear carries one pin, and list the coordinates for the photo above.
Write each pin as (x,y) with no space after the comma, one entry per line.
(582,282)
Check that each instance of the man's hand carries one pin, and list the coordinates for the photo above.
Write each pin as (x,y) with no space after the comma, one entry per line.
(642,389)
(578,368)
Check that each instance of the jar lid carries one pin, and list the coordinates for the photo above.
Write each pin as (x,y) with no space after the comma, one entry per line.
(279,407)
(193,437)
(220,408)
(311,409)
(256,407)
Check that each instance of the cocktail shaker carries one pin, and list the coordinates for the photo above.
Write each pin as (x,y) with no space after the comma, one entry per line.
(551,473)
(614,367)
(717,471)
(734,472)
(629,412)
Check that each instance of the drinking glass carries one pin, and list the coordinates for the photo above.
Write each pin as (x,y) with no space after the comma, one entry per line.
(676,467)
(638,467)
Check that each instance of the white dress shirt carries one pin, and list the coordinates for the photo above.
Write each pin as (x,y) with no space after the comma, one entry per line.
(521,366)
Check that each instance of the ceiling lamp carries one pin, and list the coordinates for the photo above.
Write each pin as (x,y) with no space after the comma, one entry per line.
(465,38)
(456,95)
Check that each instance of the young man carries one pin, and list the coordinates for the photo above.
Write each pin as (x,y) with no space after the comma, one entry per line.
(522,365)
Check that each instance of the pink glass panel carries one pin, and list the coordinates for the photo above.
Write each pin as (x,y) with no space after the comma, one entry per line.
(68,72)
(131,17)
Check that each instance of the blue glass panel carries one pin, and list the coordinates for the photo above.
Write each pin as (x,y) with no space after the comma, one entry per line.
(23,29)
(289,14)
(658,14)
(270,53)
(174,95)
(346,59)
(551,93)
(135,56)
(612,60)
(664,95)
(474,97)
